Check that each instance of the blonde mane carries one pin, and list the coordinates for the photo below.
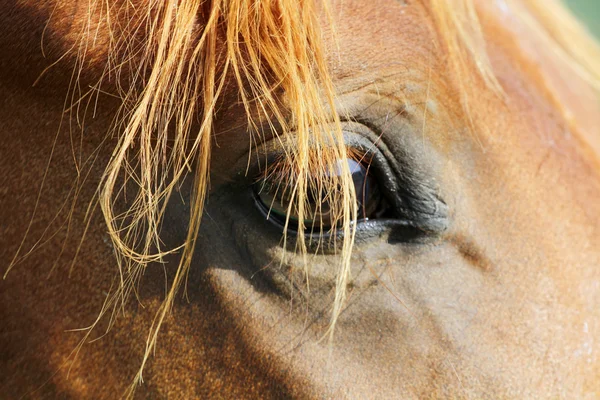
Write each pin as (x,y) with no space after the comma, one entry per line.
(271,53)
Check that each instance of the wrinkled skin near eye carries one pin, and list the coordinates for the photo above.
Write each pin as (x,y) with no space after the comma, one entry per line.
(274,198)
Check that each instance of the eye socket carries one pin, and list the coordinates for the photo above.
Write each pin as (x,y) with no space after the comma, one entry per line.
(274,197)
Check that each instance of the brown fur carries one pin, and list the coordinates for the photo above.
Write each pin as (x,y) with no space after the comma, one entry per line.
(503,305)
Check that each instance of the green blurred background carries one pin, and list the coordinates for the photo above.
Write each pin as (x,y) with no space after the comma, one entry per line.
(588,11)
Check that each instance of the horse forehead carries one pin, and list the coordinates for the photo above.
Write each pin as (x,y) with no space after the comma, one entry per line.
(381,38)
(383,34)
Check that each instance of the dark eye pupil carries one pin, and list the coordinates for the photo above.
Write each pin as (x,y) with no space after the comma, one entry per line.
(273,198)
(367,190)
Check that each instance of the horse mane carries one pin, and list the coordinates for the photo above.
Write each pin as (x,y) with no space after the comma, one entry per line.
(267,49)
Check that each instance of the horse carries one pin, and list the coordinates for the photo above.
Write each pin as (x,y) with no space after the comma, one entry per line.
(298,199)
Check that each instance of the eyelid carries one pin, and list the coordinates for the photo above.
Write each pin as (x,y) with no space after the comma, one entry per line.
(408,180)
(402,179)
(405,179)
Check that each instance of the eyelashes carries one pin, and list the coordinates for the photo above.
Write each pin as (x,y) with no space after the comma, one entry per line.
(276,194)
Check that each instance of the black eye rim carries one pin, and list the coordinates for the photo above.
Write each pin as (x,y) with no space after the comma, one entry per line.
(398,230)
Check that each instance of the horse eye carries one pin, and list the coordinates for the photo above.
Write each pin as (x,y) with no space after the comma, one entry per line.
(274,199)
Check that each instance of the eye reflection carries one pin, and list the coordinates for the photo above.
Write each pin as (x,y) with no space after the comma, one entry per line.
(274,198)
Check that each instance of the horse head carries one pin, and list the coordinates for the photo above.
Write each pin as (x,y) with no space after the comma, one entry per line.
(340,199)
